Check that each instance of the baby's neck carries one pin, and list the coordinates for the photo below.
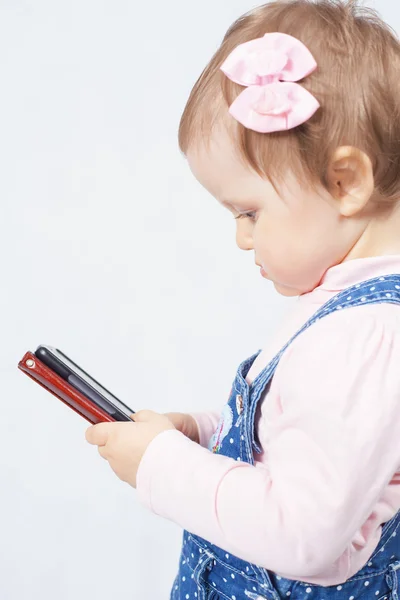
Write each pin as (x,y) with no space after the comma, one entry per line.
(380,237)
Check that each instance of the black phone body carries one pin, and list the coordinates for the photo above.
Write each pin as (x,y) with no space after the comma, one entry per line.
(58,362)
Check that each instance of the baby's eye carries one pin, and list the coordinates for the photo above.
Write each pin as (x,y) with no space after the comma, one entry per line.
(249,215)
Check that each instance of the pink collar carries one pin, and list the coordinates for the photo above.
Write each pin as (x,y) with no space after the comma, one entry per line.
(349,273)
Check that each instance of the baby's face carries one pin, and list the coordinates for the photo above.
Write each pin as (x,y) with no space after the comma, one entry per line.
(296,235)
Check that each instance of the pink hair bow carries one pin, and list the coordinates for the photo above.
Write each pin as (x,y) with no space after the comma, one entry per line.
(268,67)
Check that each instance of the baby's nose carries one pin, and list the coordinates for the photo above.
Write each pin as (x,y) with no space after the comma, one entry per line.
(244,240)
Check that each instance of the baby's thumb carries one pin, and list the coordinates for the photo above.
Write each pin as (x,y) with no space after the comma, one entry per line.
(143,416)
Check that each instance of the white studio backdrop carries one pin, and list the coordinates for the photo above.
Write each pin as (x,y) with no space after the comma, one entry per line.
(112,252)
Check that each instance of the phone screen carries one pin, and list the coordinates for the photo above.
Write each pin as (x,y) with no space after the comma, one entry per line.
(82,375)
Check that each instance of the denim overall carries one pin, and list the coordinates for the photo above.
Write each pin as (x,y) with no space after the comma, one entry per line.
(207,572)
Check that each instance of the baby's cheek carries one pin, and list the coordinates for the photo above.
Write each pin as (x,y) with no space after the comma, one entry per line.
(273,248)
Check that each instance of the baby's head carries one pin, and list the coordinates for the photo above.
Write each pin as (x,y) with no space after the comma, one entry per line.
(306,196)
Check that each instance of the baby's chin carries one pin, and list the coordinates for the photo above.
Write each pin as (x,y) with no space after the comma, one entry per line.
(287,291)
(291,289)
(294,290)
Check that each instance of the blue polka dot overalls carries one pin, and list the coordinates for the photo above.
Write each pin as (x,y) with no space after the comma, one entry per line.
(207,572)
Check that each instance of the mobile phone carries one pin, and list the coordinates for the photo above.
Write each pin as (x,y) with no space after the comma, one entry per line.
(80,380)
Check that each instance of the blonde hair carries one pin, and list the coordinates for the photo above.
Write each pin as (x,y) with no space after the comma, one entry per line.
(357,83)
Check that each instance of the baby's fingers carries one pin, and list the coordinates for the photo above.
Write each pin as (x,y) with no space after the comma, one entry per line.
(98,435)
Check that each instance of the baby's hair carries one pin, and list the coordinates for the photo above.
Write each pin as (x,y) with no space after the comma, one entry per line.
(357,83)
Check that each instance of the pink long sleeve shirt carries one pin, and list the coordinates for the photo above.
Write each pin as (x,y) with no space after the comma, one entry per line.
(329,427)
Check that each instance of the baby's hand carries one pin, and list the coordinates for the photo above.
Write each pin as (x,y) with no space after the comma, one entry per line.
(123,444)
(185,424)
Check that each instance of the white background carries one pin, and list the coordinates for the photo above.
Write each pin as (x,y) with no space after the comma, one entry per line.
(112,252)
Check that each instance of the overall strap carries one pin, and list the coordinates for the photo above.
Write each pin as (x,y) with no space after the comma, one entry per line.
(378,290)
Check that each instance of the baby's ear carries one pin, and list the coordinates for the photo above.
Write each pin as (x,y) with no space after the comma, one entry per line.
(350,180)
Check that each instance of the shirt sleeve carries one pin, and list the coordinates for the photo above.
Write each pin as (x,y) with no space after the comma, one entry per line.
(332,449)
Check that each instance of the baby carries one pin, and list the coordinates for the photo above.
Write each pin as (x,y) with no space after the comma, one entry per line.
(294,488)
